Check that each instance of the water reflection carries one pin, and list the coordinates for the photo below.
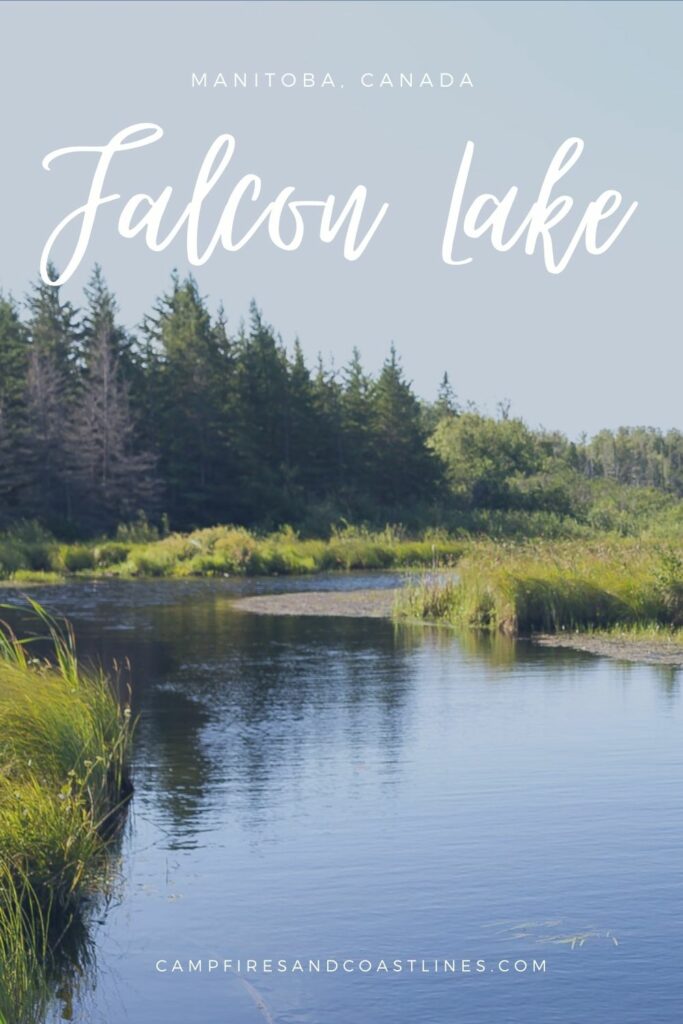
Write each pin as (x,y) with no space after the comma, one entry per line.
(669,677)
(243,698)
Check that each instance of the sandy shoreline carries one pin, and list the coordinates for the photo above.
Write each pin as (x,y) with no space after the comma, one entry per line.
(356,604)
(379,604)
(664,652)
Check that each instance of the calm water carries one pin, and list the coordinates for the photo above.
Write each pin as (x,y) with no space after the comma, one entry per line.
(337,788)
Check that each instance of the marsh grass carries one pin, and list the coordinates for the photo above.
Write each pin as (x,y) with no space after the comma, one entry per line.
(30,554)
(226,550)
(64,742)
(548,587)
(23,949)
(221,551)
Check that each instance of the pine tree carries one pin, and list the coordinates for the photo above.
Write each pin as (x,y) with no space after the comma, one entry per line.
(261,422)
(301,431)
(100,320)
(54,336)
(15,466)
(111,473)
(356,412)
(446,399)
(404,469)
(188,361)
(327,455)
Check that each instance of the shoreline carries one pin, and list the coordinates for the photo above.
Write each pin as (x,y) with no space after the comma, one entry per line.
(617,647)
(379,604)
(351,604)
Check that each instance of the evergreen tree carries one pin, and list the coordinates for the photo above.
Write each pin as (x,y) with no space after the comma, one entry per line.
(242,431)
(100,321)
(187,359)
(301,472)
(54,335)
(404,470)
(327,454)
(112,475)
(261,422)
(358,451)
(15,464)
(446,400)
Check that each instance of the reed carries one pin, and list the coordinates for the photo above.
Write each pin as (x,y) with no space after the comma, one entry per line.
(548,587)
(64,741)
(24,950)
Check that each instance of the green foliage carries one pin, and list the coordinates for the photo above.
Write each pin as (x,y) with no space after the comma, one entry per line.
(403,464)
(63,751)
(27,548)
(15,469)
(637,456)
(29,553)
(110,553)
(24,950)
(482,456)
(208,424)
(668,574)
(78,557)
(548,587)
(225,550)
(139,531)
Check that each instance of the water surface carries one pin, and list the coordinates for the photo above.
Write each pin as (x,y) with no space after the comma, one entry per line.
(338,788)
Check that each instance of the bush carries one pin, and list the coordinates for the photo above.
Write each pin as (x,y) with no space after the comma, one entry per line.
(110,553)
(12,558)
(77,557)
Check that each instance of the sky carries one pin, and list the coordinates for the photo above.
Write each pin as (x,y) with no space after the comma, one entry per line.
(596,346)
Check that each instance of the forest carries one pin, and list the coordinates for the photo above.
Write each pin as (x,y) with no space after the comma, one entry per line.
(186,423)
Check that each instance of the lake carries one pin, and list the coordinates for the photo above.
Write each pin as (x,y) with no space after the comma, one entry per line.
(351,791)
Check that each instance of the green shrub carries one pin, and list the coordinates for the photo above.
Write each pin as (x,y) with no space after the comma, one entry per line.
(12,558)
(77,557)
(110,553)
(148,563)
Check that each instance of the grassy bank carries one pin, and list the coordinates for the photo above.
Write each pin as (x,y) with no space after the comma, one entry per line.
(610,583)
(30,553)
(63,749)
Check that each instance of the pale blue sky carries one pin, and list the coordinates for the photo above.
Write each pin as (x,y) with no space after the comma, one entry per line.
(598,345)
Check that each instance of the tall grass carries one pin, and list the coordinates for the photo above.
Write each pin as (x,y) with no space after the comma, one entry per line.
(224,550)
(64,742)
(29,553)
(560,586)
(24,949)
(221,551)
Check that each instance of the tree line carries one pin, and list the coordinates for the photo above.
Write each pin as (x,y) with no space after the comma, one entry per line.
(200,424)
